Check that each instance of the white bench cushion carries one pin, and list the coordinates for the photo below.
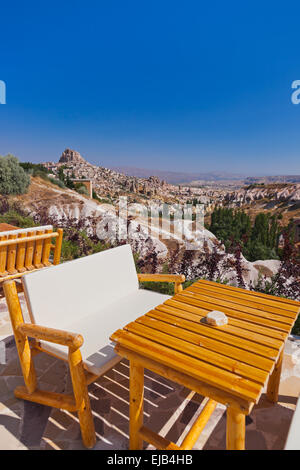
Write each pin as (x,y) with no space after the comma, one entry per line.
(93,296)
(97,351)
(59,295)
(293,439)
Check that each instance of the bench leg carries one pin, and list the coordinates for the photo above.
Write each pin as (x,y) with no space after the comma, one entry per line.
(136,405)
(82,398)
(235,433)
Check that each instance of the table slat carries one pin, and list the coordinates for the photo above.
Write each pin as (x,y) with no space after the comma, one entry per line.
(251,293)
(214,344)
(242,323)
(229,328)
(243,301)
(235,359)
(189,343)
(215,333)
(225,380)
(256,316)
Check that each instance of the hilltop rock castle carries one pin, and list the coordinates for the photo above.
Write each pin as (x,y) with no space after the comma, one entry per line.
(71,156)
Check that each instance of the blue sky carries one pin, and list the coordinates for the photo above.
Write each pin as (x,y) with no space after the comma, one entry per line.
(173,85)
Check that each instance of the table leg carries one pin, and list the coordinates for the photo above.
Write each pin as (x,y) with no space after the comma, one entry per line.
(235,433)
(136,405)
(274,380)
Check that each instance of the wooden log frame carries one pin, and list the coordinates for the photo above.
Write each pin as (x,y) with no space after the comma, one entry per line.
(3,257)
(274,380)
(28,252)
(80,402)
(229,365)
(57,247)
(20,259)
(177,279)
(161,443)
(11,253)
(237,409)
(239,399)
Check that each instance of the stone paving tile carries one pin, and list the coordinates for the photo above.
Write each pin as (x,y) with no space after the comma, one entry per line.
(36,426)
(9,431)
(34,421)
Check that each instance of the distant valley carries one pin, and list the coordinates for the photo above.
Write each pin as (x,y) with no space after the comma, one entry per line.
(56,196)
(173,177)
(206,178)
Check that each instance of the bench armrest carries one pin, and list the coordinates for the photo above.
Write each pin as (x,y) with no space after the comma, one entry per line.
(177,278)
(72,340)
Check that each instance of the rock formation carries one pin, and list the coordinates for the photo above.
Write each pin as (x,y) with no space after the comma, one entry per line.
(71,156)
(109,183)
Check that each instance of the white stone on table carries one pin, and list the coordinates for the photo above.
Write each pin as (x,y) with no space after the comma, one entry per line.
(216,318)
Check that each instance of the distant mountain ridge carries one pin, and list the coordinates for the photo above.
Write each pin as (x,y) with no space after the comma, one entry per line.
(197,179)
(273,179)
(174,177)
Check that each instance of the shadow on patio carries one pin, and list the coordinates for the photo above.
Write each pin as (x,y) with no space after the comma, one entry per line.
(169,409)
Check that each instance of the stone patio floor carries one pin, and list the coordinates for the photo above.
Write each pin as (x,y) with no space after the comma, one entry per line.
(169,409)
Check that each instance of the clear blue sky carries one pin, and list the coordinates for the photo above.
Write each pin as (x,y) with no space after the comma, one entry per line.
(175,85)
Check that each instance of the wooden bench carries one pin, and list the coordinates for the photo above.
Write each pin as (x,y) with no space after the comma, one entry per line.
(28,249)
(74,308)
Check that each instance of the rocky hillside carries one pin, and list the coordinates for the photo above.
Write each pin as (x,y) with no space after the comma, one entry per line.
(280,198)
(64,206)
(278,193)
(46,201)
(273,179)
(277,198)
(109,183)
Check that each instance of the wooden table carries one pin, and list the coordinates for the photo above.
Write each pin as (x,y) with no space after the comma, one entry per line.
(4,227)
(230,364)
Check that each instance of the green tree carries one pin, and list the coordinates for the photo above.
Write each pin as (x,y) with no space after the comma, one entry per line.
(260,232)
(230,226)
(61,174)
(34,169)
(81,189)
(259,241)
(13,178)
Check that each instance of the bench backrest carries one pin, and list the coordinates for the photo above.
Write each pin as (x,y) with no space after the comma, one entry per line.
(27,249)
(62,294)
